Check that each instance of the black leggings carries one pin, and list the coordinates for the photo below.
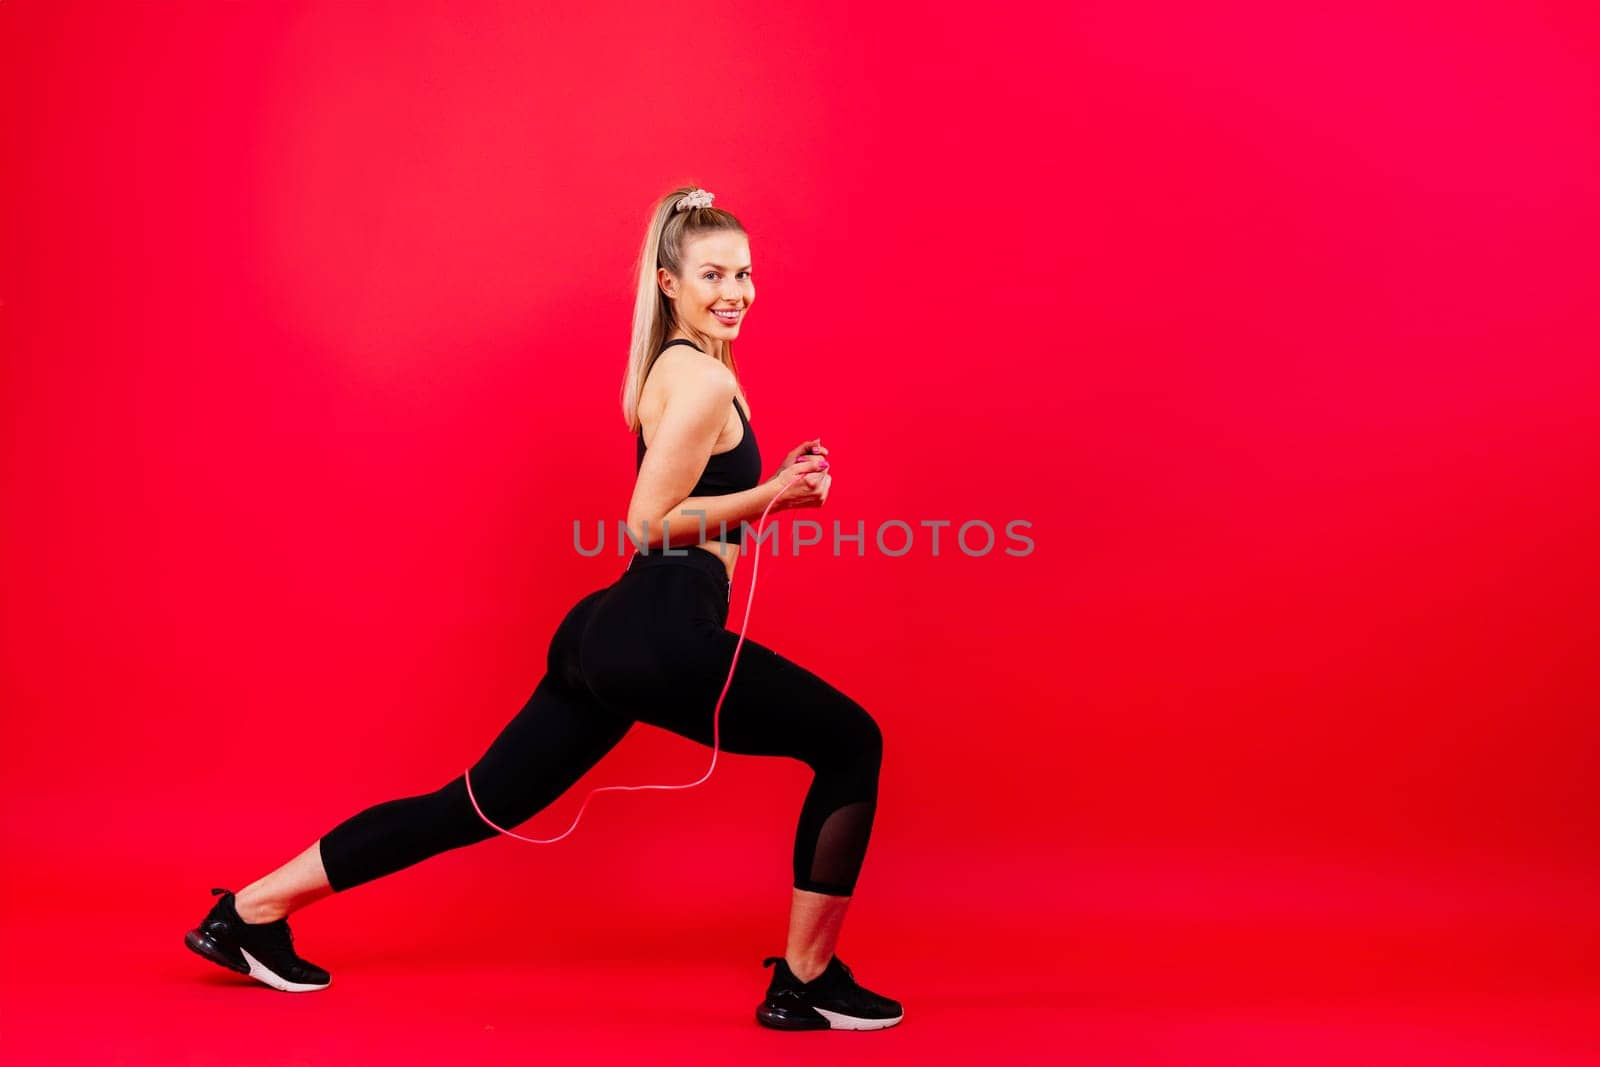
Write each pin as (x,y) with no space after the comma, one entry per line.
(651,647)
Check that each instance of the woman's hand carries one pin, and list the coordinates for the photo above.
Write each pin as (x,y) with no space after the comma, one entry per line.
(808,466)
(805,448)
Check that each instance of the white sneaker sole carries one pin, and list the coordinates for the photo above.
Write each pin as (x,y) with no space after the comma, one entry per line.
(837,1021)
(262,973)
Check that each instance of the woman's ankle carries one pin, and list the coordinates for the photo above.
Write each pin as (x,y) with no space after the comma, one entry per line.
(806,970)
(254,909)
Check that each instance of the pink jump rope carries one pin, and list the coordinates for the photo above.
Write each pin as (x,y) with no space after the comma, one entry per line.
(716,715)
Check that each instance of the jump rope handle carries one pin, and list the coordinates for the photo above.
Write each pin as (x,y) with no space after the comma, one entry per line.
(716,715)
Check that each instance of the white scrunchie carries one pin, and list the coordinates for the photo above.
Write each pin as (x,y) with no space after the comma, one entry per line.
(698,198)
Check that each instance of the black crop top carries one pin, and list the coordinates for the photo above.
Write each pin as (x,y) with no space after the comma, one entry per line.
(732,471)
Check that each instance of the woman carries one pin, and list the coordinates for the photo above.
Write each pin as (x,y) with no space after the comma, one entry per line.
(650,647)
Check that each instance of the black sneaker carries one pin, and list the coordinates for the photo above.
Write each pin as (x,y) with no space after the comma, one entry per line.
(833,1000)
(264,951)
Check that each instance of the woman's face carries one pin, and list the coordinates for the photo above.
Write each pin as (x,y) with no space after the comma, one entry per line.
(716,279)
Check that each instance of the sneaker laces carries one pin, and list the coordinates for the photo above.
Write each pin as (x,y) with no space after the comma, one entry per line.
(280,934)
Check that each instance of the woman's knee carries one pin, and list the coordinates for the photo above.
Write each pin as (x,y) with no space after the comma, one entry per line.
(852,738)
(871,737)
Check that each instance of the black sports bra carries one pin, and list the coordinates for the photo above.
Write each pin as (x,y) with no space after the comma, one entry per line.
(731,471)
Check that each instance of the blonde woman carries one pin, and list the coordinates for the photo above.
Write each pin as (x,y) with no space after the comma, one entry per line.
(653,647)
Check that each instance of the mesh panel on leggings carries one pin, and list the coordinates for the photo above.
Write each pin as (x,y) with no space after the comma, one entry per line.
(842,845)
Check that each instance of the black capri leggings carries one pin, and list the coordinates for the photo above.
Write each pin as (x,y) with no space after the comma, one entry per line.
(653,647)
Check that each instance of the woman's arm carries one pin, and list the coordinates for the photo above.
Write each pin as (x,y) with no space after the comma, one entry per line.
(699,392)
(731,508)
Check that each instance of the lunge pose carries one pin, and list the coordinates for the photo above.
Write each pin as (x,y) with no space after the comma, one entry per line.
(652,646)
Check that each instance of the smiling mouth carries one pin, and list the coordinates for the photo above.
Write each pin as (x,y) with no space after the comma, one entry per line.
(728,316)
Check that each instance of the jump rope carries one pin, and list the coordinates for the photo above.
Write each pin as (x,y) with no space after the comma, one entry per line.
(716,715)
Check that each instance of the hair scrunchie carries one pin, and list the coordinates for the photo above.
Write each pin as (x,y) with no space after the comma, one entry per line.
(698,198)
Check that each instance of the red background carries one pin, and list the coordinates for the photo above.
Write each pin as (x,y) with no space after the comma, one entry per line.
(1277,326)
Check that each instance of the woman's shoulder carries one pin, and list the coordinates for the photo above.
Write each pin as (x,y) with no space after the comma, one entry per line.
(681,367)
(684,372)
